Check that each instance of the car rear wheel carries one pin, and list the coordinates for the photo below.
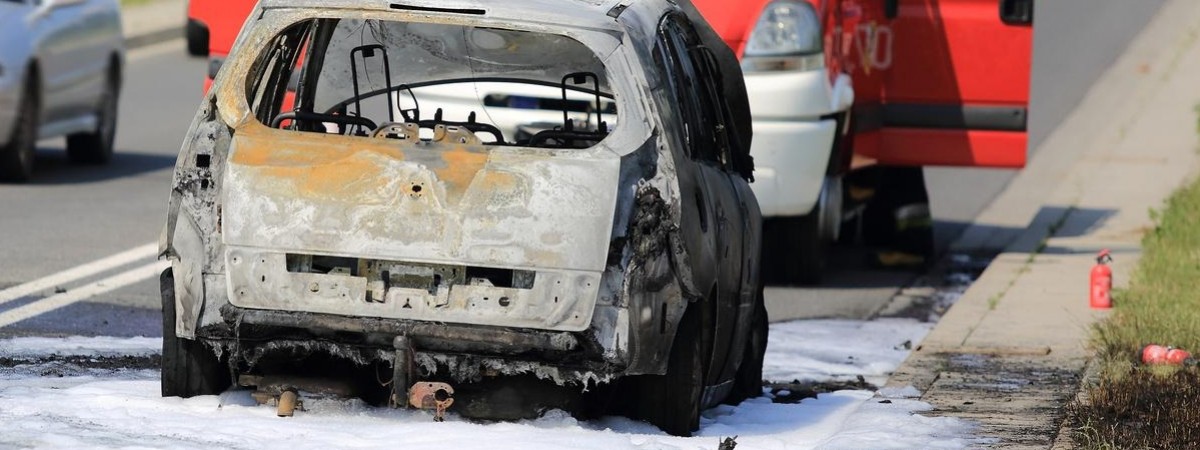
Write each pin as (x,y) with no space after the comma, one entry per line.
(672,401)
(97,147)
(16,157)
(748,382)
(188,368)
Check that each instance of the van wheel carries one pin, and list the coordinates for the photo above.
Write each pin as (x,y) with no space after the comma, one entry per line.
(97,147)
(672,401)
(188,367)
(748,382)
(796,248)
(16,157)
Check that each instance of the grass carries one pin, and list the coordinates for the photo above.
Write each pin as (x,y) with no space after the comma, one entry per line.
(1143,409)
(1162,303)
(128,3)
(1134,406)
(1197,110)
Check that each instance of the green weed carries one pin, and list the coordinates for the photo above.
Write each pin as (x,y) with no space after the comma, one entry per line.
(1135,406)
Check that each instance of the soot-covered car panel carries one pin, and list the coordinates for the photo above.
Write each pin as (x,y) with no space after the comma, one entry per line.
(330,199)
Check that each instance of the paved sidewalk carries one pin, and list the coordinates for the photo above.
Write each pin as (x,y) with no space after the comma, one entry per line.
(153,22)
(1011,352)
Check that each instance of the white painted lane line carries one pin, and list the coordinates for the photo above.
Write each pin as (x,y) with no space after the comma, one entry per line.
(84,292)
(75,273)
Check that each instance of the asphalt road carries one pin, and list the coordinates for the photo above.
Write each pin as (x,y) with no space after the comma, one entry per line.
(71,215)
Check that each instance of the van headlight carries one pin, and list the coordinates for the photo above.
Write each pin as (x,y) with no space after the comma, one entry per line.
(787,36)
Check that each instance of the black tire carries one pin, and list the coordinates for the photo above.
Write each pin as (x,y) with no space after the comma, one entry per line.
(97,147)
(188,367)
(197,38)
(748,382)
(795,248)
(672,401)
(17,155)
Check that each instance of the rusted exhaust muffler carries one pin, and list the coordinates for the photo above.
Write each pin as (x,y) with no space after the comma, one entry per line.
(432,395)
(287,403)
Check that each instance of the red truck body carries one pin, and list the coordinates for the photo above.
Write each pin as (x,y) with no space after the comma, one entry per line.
(936,82)
(221,21)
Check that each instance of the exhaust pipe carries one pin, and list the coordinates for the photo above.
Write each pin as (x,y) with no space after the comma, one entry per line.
(421,395)
(287,403)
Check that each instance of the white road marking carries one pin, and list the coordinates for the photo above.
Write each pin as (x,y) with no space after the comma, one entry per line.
(75,273)
(84,292)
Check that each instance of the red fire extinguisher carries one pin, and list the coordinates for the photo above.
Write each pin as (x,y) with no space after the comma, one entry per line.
(1101,283)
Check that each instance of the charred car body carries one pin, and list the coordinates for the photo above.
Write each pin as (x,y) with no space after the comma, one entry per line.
(355,222)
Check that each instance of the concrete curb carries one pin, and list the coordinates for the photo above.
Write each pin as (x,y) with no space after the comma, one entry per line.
(144,39)
(1064,440)
(153,22)
(1011,353)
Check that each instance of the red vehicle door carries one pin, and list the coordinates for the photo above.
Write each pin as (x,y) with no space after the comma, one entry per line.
(939,82)
(223,20)
(220,20)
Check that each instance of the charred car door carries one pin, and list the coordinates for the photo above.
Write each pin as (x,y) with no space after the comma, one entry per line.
(713,219)
(740,224)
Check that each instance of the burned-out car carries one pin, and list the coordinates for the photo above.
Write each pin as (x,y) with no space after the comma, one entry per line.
(327,208)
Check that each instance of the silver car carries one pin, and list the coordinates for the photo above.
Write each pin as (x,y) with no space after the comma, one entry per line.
(60,74)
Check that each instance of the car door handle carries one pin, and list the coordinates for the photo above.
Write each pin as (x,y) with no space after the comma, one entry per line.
(1016,12)
(891,8)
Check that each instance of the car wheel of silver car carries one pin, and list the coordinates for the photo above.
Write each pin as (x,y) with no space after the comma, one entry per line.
(16,157)
(97,147)
(188,367)
(672,401)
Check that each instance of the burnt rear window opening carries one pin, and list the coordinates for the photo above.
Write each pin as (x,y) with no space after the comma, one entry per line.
(431,82)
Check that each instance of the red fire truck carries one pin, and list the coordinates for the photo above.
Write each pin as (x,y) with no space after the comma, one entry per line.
(850,98)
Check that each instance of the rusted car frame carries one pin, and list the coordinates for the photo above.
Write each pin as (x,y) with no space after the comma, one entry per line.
(424,248)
